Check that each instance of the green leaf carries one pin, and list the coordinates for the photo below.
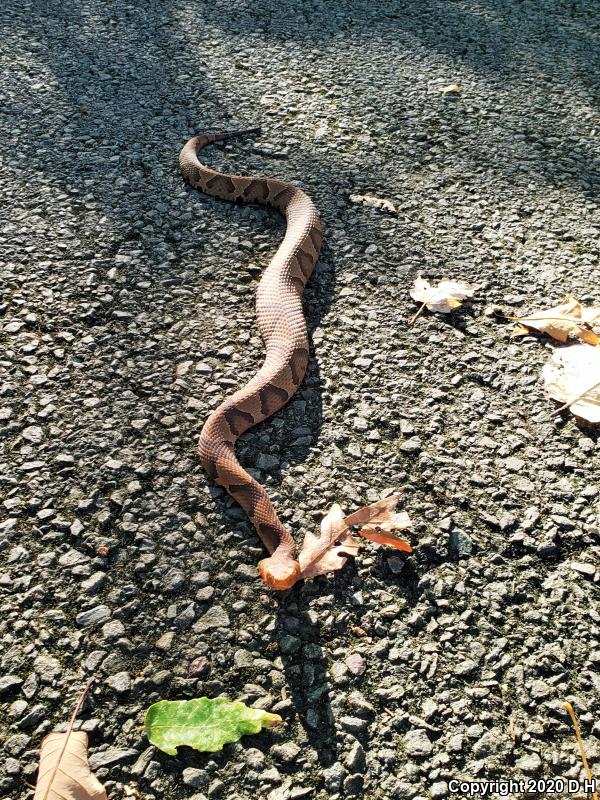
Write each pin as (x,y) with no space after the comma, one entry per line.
(203,724)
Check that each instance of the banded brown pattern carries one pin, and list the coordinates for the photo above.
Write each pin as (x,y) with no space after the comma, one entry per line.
(281,321)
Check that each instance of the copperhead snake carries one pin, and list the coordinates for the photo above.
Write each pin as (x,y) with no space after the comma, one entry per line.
(283,329)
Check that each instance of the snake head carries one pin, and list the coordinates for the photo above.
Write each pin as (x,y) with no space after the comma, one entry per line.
(279,572)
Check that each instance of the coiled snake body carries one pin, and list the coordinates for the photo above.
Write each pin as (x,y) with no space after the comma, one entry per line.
(283,328)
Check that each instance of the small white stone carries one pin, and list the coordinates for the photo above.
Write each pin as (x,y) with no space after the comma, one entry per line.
(33,434)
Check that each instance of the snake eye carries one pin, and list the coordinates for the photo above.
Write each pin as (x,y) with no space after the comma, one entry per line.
(279,573)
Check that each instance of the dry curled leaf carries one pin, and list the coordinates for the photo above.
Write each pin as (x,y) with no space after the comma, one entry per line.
(379,521)
(374,202)
(443,298)
(572,376)
(66,775)
(381,537)
(569,319)
(328,552)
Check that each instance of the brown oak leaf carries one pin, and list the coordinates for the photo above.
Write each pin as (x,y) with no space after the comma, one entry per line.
(329,551)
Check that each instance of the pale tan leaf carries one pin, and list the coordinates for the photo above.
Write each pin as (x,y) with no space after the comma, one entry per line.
(590,315)
(452,88)
(316,560)
(421,289)
(568,320)
(520,330)
(374,202)
(572,376)
(73,779)
(444,297)
(393,522)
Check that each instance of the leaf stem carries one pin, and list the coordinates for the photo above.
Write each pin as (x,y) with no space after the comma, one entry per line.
(562,318)
(413,319)
(76,710)
(569,709)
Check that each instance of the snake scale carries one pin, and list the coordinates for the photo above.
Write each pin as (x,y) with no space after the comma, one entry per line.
(283,328)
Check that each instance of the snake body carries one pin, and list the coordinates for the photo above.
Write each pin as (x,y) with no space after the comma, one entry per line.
(283,328)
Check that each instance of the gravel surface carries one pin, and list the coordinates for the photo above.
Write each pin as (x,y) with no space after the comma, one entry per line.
(127,314)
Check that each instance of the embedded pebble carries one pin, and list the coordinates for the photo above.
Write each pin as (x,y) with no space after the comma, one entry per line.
(93,616)
(417,743)
(215,617)
(356,664)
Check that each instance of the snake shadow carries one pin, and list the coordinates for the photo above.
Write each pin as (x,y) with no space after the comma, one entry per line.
(306,670)
(305,639)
